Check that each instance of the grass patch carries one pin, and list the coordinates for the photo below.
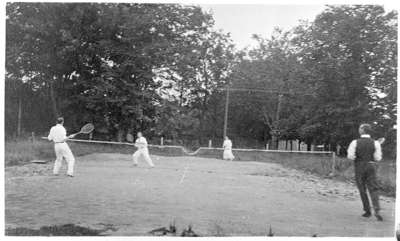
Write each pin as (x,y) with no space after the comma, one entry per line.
(55,230)
(22,152)
(386,173)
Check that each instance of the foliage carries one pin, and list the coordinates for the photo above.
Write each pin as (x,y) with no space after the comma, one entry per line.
(338,72)
(104,63)
(163,68)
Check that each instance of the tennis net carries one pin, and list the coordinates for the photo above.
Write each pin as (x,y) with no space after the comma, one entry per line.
(321,162)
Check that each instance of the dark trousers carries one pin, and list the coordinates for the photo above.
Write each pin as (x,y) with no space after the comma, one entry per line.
(365,174)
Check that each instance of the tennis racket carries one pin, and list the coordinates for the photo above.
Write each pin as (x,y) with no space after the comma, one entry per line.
(86,129)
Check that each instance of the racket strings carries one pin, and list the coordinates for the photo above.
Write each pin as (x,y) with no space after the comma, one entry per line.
(87,128)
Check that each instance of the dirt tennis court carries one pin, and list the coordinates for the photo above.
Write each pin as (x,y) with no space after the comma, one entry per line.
(216,197)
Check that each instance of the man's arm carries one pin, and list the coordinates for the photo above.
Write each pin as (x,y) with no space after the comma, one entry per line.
(144,142)
(378,151)
(66,138)
(140,142)
(351,151)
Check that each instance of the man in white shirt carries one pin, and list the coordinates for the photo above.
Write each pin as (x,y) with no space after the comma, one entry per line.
(58,135)
(141,144)
(365,152)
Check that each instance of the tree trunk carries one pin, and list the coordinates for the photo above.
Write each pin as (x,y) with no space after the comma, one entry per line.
(275,130)
(274,142)
(19,116)
(226,112)
(120,135)
(53,99)
(308,146)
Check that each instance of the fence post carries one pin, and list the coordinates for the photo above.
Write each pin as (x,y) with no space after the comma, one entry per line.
(162,141)
(333,163)
(209,143)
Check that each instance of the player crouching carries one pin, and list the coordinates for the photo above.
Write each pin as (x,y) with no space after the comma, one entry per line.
(141,144)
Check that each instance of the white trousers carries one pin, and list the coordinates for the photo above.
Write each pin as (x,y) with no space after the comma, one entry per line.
(63,152)
(144,152)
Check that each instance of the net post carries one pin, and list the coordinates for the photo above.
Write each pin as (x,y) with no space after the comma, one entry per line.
(162,141)
(209,143)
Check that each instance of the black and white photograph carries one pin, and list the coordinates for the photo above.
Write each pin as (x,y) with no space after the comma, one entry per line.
(200,119)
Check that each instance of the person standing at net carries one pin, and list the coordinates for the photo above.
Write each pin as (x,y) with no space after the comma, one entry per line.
(228,155)
(366,152)
(141,144)
(58,135)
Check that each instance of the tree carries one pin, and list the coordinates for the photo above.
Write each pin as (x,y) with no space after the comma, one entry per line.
(344,49)
(272,69)
(104,63)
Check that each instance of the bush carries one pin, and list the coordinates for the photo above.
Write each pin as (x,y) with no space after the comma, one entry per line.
(19,152)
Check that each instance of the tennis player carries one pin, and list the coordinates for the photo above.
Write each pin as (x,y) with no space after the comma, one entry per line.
(228,155)
(141,144)
(58,135)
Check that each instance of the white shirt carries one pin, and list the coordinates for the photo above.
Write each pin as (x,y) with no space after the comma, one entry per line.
(351,151)
(227,145)
(141,142)
(57,133)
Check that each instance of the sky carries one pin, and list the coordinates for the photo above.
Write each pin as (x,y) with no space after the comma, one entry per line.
(244,20)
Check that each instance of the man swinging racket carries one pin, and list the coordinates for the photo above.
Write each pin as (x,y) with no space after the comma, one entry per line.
(58,135)
(141,144)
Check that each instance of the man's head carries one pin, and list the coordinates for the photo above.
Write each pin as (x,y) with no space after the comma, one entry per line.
(365,129)
(226,138)
(139,134)
(60,120)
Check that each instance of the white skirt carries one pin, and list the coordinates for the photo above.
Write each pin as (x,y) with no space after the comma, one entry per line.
(228,155)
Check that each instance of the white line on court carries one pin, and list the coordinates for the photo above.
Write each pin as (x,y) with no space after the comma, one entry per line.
(184,174)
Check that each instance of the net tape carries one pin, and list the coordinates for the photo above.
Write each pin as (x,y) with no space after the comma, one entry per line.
(199,149)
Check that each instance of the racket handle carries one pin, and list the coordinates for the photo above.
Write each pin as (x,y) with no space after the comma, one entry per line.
(75,134)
